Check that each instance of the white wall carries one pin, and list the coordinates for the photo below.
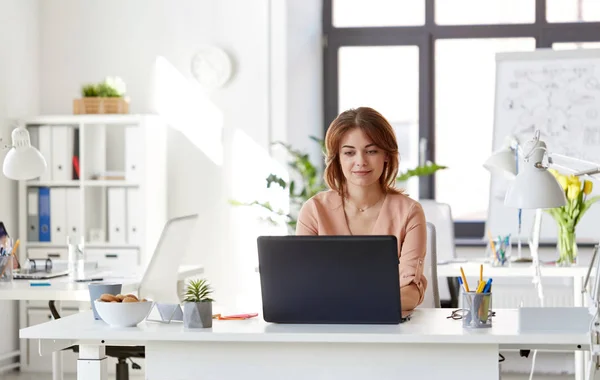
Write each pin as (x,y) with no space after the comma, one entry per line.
(18,98)
(275,94)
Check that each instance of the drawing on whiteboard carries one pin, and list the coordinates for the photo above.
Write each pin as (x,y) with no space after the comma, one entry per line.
(562,101)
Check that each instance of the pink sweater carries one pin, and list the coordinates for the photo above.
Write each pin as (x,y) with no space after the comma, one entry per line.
(400,216)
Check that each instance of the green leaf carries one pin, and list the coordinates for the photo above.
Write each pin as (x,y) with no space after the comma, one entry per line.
(428,169)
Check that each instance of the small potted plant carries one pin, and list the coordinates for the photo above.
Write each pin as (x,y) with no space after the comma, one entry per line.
(107,97)
(197,307)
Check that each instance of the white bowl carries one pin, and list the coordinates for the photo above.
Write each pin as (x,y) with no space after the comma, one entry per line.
(123,314)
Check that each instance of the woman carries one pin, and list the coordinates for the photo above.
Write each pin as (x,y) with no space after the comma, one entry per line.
(362,165)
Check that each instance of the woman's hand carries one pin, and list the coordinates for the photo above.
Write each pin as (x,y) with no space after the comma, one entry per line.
(409,296)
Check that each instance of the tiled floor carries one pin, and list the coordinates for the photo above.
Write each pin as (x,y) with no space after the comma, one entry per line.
(28,376)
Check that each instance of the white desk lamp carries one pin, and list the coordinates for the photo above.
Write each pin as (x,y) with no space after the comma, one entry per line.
(23,161)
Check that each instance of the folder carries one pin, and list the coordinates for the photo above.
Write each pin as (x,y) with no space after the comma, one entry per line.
(133,221)
(45,148)
(62,153)
(33,218)
(58,215)
(132,153)
(116,215)
(44,213)
(73,211)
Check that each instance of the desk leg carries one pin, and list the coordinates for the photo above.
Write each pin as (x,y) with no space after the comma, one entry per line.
(57,362)
(581,357)
(92,363)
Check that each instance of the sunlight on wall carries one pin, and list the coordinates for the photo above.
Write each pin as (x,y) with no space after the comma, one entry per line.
(186,107)
(250,166)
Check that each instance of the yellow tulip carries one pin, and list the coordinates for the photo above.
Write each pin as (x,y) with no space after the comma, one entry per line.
(587,187)
(554,172)
(573,180)
(573,191)
(562,180)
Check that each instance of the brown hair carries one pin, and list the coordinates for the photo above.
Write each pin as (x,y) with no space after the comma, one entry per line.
(378,129)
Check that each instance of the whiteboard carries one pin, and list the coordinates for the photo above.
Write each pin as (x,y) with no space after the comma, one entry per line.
(557,92)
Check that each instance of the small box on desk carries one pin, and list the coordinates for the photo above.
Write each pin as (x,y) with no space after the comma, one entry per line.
(554,320)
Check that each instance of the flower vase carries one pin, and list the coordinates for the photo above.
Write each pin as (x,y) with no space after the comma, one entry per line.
(567,246)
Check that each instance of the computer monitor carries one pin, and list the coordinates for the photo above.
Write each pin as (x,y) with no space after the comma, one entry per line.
(330,279)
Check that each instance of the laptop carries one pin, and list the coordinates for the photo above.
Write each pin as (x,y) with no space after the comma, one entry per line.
(330,279)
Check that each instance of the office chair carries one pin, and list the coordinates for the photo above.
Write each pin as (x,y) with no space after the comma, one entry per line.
(432,297)
(121,353)
(440,215)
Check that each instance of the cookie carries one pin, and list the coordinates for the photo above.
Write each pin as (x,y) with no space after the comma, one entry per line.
(120,297)
(129,299)
(108,298)
(132,296)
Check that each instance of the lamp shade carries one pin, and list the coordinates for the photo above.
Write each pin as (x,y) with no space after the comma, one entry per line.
(535,188)
(502,162)
(23,162)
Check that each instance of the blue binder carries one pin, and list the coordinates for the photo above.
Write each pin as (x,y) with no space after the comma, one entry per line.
(44,213)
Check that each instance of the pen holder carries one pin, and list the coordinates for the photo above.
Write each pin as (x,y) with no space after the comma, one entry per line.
(6,268)
(477,310)
(499,252)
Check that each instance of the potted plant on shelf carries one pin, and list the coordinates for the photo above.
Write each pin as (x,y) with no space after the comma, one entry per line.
(197,307)
(107,97)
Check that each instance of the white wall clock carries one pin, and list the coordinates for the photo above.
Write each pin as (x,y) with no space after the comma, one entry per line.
(212,66)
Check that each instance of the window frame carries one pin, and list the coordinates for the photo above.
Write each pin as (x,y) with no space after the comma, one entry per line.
(425,36)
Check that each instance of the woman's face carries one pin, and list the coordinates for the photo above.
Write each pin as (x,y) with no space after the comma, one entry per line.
(362,162)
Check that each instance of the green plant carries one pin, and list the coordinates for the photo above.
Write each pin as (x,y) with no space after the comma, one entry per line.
(198,291)
(310,183)
(111,87)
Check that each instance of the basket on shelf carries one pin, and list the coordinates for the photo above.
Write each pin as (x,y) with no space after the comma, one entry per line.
(100,105)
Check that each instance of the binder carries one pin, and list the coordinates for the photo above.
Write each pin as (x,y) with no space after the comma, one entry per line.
(33,218)
(132,153)
(62,153)
(45,148)
(44,213)
(134,232)
(73,211)
(116,215)
(58,215)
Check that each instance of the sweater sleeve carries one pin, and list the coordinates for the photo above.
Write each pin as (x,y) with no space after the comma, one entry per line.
(414,248)
(307,220)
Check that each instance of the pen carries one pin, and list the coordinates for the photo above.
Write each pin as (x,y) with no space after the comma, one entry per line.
(488,286)
(39,284)
(462,272)
(461,283)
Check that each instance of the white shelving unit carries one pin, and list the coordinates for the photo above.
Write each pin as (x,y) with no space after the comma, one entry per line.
(135,145)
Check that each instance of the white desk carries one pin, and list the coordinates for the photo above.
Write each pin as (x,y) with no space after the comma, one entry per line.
(429,346)
(61,289)
(526,270)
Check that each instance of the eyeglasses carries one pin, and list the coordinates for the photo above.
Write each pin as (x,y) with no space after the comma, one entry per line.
(460,313)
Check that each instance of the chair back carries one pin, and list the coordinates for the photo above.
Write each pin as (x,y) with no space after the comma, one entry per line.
(160,278)
(432,297)
(440,215)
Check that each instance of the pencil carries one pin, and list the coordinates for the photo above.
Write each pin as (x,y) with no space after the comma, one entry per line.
(462,272)
(481,273)
(14,250)
(492,245)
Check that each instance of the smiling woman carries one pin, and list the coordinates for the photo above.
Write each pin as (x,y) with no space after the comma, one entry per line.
(362,165)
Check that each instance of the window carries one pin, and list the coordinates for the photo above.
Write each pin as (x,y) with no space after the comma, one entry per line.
(428,66)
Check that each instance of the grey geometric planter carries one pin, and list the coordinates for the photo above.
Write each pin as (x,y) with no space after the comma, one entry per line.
(197,315)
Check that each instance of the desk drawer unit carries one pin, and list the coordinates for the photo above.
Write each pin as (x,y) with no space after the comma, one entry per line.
(113,259)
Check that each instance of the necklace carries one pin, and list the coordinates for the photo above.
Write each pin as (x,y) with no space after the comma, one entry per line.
(363,209)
